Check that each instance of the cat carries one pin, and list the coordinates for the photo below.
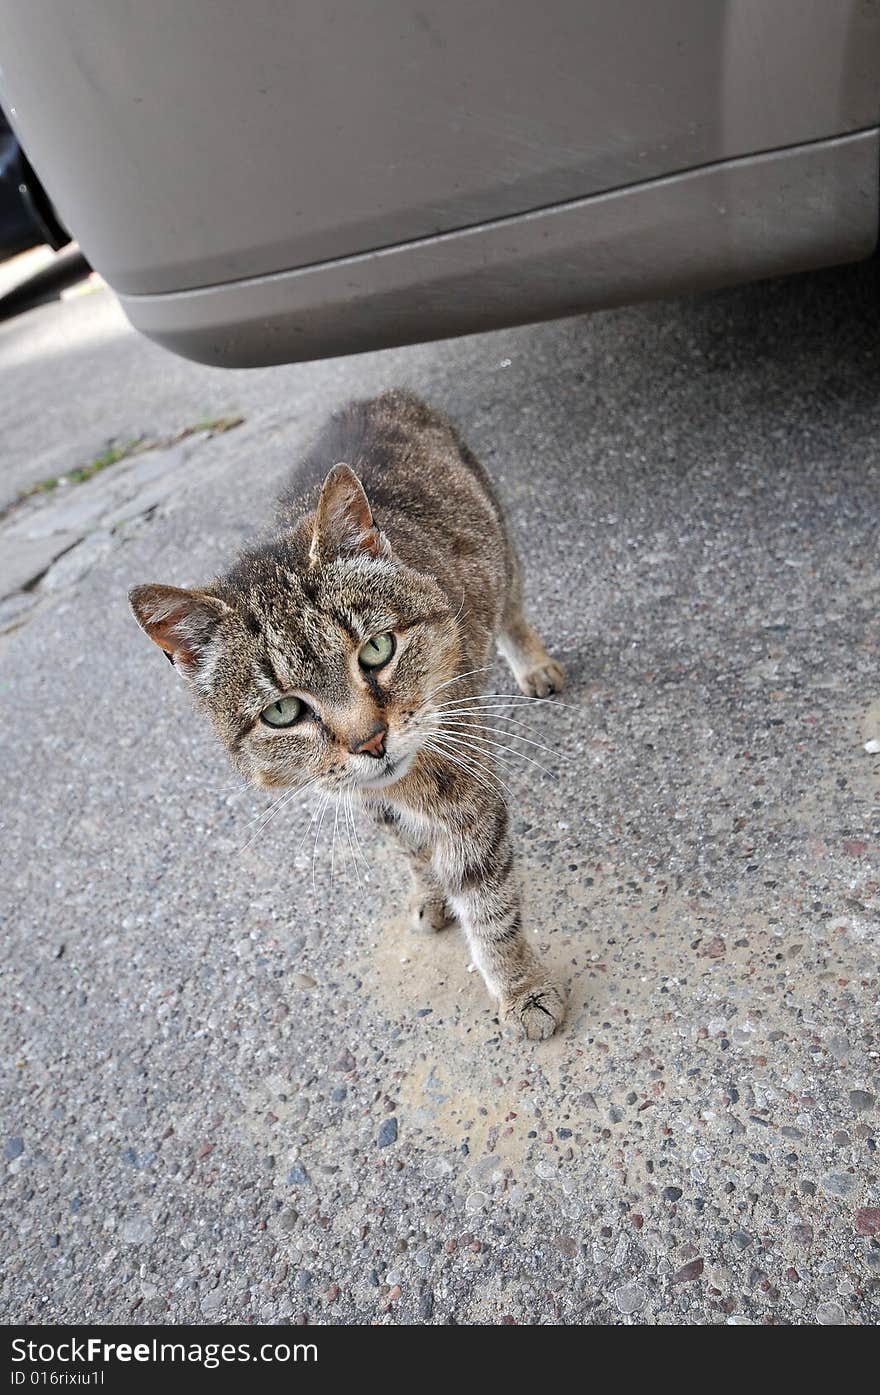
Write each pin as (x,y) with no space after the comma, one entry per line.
(347,654)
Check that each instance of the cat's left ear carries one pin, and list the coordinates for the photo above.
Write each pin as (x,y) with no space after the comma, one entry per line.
(344,524)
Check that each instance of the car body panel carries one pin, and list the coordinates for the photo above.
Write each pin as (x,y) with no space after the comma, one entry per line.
(197,146)
(787,211)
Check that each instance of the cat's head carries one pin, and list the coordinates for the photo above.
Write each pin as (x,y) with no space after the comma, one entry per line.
(314,655)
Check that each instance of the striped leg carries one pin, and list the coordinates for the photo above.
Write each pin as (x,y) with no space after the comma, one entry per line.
(478,873)
(428,909)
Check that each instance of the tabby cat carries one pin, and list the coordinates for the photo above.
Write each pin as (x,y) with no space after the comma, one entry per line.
(347,654)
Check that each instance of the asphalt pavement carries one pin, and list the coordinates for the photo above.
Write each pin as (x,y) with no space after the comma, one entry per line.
(236,1087)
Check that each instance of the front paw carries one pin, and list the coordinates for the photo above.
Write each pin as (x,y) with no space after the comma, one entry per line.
(537,1010)
(543,680)
(430,913)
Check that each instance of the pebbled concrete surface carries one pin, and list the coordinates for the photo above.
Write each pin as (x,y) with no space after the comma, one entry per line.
(236,1088)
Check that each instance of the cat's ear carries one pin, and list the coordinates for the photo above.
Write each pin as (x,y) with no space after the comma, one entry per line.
(183,623)
(344,522)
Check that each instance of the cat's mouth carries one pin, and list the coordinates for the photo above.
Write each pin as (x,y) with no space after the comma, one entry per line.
(387,772)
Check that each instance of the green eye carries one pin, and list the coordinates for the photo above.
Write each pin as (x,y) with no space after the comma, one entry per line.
(283,713)
(377,651)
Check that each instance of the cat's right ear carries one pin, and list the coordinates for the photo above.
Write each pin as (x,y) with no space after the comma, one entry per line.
(183,623)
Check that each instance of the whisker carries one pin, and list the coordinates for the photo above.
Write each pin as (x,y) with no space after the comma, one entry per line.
(267,816)
(354,829)
(504,699)
(485,741)
(283,798)
(230,791)
(459,724)
(459,678)
(479,770)
(500,711)
(457,616)
(446,754)
(461,710)
(333,845)
(311,822)
(263,812)
(462,747)
(348,818)
(317,836)
(273,811)
(474,769)
(480,712)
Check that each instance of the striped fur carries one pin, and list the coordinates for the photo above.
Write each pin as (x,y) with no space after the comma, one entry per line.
(406,538)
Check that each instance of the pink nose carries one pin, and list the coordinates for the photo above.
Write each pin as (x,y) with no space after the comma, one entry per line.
(371,745)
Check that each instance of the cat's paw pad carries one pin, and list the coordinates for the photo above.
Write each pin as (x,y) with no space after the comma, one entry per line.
(431,914)
(538,1010)
(543,680)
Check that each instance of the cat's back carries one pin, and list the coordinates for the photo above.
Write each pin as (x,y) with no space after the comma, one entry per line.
(428,493)
(407,454)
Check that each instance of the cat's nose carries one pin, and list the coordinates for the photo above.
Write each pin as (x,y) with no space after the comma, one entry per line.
(373,744)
